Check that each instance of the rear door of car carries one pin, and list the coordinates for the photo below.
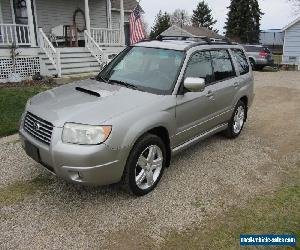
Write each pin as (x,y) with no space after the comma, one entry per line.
(225,85)
(242,67)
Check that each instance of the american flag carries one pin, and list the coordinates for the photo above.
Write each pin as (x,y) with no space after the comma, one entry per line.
(137,32)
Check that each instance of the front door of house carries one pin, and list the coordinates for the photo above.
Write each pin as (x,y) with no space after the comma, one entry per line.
(127,33)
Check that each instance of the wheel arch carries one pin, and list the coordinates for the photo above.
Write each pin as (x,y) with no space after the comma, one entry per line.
(163,133)
(245,100)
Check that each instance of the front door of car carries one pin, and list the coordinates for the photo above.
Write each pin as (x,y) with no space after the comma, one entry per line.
(195,110)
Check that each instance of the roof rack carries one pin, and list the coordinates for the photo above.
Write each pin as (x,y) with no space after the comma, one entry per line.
(205,39)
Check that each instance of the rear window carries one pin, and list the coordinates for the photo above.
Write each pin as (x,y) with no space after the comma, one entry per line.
(249,48)
(241,59)
(253,48)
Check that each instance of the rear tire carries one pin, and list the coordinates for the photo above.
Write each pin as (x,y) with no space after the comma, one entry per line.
(237,121)
(145,165)
(252,63)
(260,67)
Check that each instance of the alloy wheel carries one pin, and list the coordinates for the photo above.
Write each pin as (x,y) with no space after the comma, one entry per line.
(239,119)
(148,167)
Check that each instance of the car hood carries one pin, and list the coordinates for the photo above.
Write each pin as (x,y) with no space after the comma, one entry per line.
(88,102)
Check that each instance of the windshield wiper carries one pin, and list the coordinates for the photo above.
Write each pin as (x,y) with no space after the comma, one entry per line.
(125,84)
(101,78)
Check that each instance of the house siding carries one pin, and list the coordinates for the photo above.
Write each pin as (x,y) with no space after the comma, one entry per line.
(98,13)
(291,48)
(60,12)
(6,11)
(115,19)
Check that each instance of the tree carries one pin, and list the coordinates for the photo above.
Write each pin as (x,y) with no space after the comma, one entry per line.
(145,26)
(202,16)
(180,17)
(243,21)
(162,23)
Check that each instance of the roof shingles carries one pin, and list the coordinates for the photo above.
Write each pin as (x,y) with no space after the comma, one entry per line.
(190,30)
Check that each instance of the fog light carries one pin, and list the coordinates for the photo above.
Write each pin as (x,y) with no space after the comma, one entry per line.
(76,176)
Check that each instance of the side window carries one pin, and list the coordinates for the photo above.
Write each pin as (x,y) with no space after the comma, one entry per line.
(222,64)
(200,66)
(241,59)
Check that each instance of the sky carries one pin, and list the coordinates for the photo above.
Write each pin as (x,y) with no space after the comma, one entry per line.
(278,13)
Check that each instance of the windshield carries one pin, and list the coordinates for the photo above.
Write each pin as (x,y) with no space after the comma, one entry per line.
(146,69)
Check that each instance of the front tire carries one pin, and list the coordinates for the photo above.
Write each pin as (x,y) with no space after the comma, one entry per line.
(145,165)
(237,121)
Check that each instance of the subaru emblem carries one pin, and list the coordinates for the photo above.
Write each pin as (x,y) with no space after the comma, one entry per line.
(37,126)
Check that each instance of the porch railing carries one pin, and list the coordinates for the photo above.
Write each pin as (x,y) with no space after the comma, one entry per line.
(14,33)
(94,48)
(50,51)
(106,37)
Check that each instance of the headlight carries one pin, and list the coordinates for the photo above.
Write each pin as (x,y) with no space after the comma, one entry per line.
(85,134)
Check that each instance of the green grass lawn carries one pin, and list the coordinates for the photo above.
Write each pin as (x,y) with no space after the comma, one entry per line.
(12,104)
(272,214)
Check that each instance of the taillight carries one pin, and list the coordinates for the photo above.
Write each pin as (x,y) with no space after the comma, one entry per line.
(263,54)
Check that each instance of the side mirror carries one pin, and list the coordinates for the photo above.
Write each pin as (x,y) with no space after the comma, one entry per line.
(194,84)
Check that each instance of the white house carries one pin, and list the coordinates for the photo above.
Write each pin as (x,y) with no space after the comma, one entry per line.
(94,28)
(291,46)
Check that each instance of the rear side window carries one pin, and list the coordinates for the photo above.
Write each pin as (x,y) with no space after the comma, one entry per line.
(241,59)
(200,66)
(253,48)
(222,64)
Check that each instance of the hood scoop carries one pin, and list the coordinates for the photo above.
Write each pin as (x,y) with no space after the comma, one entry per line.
(87,91)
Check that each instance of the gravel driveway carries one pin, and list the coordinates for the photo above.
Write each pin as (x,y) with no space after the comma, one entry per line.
(39,211)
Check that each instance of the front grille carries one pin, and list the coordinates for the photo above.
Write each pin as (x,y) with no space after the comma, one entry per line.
(38,128)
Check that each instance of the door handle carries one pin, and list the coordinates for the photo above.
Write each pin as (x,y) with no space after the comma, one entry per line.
(236,84)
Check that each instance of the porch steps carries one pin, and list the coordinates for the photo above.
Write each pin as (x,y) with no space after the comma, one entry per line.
(73,61)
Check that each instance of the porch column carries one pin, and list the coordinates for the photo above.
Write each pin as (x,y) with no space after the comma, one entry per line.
(108,5)
(87,16)
(30,23)
(122,21)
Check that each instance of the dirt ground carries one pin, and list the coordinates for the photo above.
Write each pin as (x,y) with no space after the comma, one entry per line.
(39,211)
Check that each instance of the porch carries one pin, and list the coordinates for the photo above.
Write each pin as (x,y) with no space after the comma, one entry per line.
(99,28)
(20,20)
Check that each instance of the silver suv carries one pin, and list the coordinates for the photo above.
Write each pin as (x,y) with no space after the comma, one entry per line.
(259,56)
(150,102)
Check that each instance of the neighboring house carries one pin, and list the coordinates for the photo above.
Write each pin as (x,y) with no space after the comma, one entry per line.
(291,47)
(192,31)
(273,39)
(103,30)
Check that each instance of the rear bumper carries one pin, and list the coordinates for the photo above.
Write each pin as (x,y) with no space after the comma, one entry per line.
(264,62)
(90,165)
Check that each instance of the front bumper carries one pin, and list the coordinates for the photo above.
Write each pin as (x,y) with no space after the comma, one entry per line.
(91,165)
